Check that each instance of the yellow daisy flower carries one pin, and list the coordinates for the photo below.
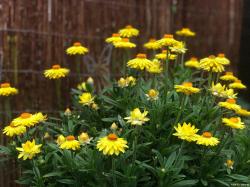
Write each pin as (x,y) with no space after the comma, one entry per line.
(242,112)
(84,138)
(221,91)
(140,62)
(7,90)
(156,67)
(70,143)
(237,85)
(233,122)
(229,164)
(86,99)
(29,120)
(210,64)
(178,47)
(122,82)
(77,49)
(207,139)
(13,130)
(124,43)
(131,80)
(111,144)
(128,32)
(192,63)
(152,44)
(136,117)
(228,77)
(152,95)
(186,32)
(230,104)
(222,59)
(56,72)
(114,38)
(29,150)
(186,88)
(163,55)
(60,139)
(186,132)
(167,41)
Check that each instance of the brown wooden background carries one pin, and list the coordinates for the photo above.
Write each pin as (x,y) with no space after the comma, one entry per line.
(35,33)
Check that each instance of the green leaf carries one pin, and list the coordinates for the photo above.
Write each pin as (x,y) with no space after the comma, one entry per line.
(170,160)
(53,174)
(4,150)
(185,183)
(66,181)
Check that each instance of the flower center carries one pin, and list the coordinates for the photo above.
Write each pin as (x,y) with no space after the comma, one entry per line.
(168,36)
(112,137)
(152,93)
(211,57)
(141,55)
(207,134)
(129,27)
(193,58)
(152,40)
(115,35)
(238,81)
(5,85)
(12,125)
(164,51)
(25,115)
(70,138)
(188,84)
(221,55)
(231,101)
(57,66)
(229,73)
(77,44)
(234,120)
(125,39)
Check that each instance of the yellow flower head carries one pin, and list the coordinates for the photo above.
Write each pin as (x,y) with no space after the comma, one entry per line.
(86,99)
(111,144)
(60,139)
(94,106)
(186,132)
(124,43)
(222,59)
(167,41)
(156,67)
(90,81)
(128,32)
(186,88)
(229,164)
(29,120)
(77,49)
(7,90)
(233,122)
(136,117)
(82,86)
(237,85)
(186,32)
(13,130)
(163,55)
(230,104)
(221,91)
(128,81)
(178,47)
(29,150)
(207,139)
(210,64)
(152,44)
(70,143)
(228,77)
(84,138)
(192,63)
(242,112)
(152,95)
(67,112)
(140,62)
(56,72)
(113,126)
(114,38)
(131,80)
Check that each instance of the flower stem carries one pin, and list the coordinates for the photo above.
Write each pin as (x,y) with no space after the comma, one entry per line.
(135,144)
(113,173)
(58,92)
(7,109)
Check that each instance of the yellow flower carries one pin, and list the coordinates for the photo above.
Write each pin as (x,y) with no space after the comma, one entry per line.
(192,63)
(233,122)
(230,104)
(136,117)
(84,138)
(113,126)
(163,55)
(70,143)
(67,112)
(12,130)
(221,91)
(229,164)
(90,80)
(122,82)
(128,32)
(210,64)
(114,38)
(152,95)
(111,145)
(77,49)
(60,139)
(29,150)
(140,62)
(207,139)
(237,85)
(186,32)
(186,132)
(94,106)
(86,99)
(152,44)
(186,88)
(29,120)
(178,47)
(242,112)
(7,90)
(131,80)
(222,59)
(167,41)
(56,72)
(124,43)
(156,67)
(228,77)
(82,86)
